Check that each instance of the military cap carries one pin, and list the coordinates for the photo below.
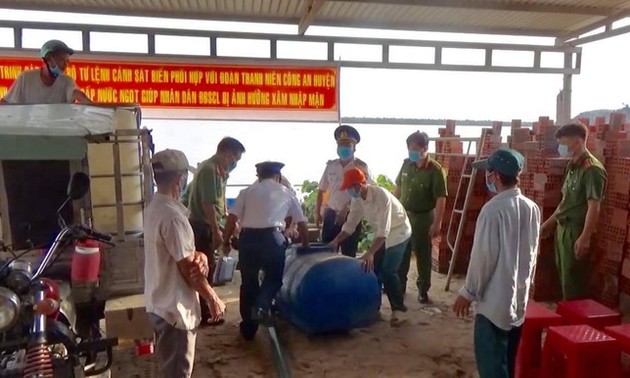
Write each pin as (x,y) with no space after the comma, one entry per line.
(347,133)
(269,167)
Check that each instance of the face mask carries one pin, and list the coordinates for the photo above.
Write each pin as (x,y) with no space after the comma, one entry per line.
(182,189)
(344,152)
(54,71)
(491,187)
(232,166)
(414,156)
(563,150)
(353,193)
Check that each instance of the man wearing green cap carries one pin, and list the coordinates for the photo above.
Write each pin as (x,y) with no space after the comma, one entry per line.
(48,84)
(501,267)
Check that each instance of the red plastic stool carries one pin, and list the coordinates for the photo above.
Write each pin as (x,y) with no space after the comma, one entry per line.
(537,319)
(587,311)
(580,351)
(622,334)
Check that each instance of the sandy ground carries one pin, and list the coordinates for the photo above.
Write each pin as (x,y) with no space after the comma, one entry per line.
(433,343)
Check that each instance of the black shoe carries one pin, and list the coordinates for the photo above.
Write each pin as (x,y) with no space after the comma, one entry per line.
(424,298)
(248,331)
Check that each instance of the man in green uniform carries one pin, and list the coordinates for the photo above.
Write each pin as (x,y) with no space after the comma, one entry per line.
(421,188)
(576,217)
(205,199)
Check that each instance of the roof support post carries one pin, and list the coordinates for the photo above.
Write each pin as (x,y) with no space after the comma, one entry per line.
(564,97)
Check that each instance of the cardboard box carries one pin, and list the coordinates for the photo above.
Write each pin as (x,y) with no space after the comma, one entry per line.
(126,318)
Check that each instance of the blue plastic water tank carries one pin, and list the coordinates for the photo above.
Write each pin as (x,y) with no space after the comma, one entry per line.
(324,292)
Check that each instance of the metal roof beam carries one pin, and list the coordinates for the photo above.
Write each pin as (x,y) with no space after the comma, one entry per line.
(531,7)
(609,32)
(310,11)
(607,23)
(331,43)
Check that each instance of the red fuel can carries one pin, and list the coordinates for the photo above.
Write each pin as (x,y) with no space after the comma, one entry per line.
(86,261)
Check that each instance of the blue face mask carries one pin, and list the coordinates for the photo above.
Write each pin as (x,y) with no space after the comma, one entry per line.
(491,187)
(344,152)
(232,166)
(54,71)
(414,156)
(353,193)
(563,150)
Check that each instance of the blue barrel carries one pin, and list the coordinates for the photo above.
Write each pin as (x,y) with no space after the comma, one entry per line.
(324,292)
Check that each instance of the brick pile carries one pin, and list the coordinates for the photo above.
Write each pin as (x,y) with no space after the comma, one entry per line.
(611,274)
(454,166)
(541,181)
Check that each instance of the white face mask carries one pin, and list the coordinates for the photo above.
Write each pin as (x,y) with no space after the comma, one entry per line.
(563,150)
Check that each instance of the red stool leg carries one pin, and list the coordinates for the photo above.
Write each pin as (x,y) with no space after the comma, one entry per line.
(529,352)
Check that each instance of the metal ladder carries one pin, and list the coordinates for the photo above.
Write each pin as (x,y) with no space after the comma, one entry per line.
(454,247)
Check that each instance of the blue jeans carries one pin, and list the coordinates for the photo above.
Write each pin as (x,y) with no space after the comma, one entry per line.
(259,249)
(495,349)
(330,230)
(386,266)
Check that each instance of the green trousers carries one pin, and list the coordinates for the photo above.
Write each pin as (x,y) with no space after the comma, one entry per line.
(574,274)
(421,246)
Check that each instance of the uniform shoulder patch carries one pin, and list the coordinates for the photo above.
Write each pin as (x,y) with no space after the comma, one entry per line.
(434,164)
(587,163)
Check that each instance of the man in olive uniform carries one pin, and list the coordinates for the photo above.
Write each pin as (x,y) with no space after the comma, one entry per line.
(576,217)
(205,199)
(338,205)
(421,187)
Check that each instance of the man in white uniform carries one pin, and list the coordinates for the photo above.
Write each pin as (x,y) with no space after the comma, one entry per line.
(48,84)
(174,272)
(392,233)
(501,265)
(261,210)
(338,206)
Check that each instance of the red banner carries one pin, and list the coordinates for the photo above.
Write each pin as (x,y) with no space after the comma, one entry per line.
(195,86)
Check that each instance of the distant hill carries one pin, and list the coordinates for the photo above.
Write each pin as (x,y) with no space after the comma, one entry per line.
(592,114)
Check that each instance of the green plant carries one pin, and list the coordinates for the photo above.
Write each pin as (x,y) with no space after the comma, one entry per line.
(309,191)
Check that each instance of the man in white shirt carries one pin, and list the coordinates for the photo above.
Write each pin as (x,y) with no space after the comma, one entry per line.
(501,266)
(48,84)
(392,232)
(173,271)
(261,210)
(338,205)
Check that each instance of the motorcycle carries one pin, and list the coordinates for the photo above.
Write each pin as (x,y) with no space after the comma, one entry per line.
(36,340)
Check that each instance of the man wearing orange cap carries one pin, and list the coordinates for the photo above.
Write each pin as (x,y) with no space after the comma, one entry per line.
(338,204)
(392,232)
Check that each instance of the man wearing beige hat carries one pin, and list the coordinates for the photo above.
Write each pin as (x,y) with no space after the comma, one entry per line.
(173,271)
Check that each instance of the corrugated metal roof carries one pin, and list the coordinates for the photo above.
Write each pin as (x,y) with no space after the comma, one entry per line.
(526,17)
